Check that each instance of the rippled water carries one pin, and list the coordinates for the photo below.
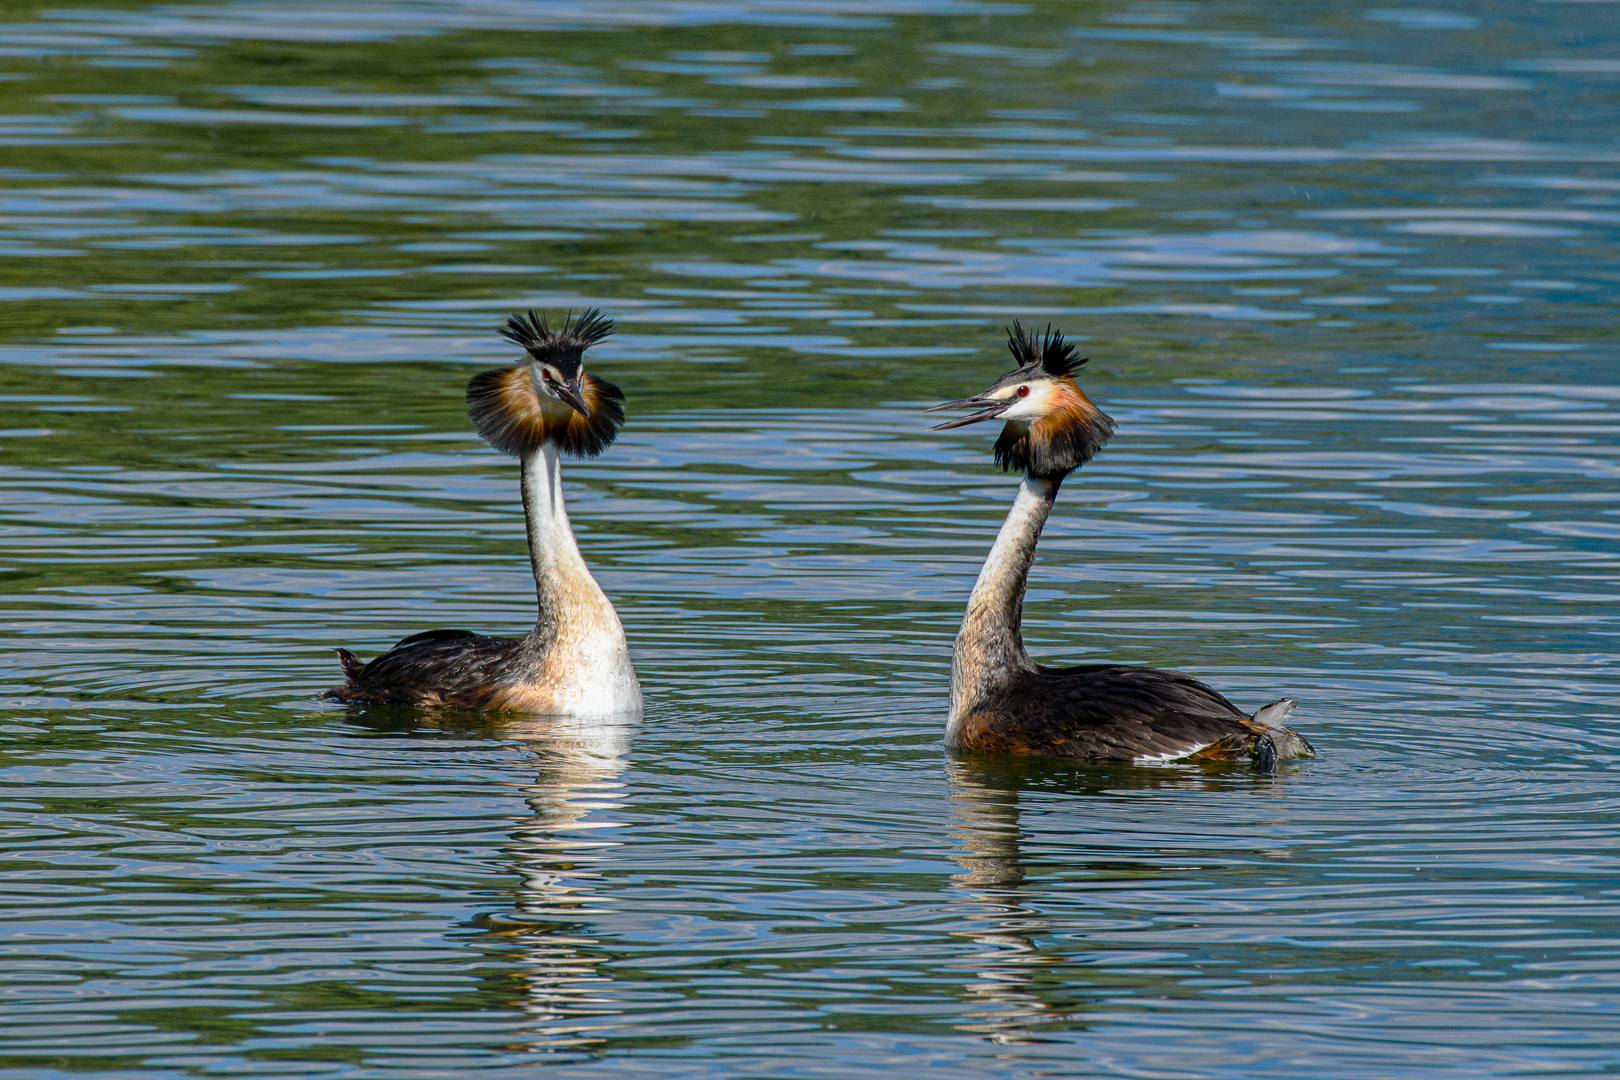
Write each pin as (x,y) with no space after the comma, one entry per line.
(1347,277)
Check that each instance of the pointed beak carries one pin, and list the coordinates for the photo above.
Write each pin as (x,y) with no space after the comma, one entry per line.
(991,408)
(574,396)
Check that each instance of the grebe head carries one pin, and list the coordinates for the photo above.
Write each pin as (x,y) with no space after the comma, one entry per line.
(548,396)
(1052,428)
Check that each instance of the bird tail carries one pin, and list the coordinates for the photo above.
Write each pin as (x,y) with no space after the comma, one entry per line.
(352,664)
(1273,715)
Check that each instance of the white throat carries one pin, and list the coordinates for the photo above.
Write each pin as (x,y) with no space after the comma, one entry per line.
(552,548)
(577,646)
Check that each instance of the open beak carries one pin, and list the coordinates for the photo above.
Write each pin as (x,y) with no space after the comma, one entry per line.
(572,395)
(996,406)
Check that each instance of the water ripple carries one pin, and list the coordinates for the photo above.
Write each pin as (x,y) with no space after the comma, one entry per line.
(1345,279)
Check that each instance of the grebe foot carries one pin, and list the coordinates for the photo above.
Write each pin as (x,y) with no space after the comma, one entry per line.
(1265,754)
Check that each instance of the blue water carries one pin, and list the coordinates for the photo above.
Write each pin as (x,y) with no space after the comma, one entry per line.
(1347,278)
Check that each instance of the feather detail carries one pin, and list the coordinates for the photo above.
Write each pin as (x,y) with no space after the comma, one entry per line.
(563,348)
(1050,353)
(1164,757)
(1059,442)
(514,419)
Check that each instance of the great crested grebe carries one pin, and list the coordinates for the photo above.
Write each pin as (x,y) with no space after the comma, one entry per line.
(575,661)
(1001,700)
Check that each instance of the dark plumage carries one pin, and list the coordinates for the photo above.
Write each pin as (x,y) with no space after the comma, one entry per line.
(451,668)
(1113,712)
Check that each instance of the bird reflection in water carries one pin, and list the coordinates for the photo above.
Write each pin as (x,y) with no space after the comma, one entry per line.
(1033,976)
(560,849)
(984,821)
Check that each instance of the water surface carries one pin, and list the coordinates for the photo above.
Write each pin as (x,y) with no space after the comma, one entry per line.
(1347,277)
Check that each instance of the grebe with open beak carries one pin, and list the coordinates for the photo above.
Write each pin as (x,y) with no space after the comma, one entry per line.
(1001,700)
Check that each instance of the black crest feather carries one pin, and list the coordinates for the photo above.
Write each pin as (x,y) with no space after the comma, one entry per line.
(564,347)
(1049,352)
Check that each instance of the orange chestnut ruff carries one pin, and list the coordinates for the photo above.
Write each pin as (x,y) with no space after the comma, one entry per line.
(516,418)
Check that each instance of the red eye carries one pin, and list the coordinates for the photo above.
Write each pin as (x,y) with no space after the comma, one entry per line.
(546,375)
(1023,391)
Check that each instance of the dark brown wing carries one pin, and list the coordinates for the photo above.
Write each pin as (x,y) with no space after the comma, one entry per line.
(1116,713)
(455,668)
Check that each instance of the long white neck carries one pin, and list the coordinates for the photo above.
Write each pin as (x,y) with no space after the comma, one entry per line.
(553,551)
(577,646)
(990,646)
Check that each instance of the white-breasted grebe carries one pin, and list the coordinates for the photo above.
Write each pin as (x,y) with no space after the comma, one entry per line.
(1001,700)
(575,661)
